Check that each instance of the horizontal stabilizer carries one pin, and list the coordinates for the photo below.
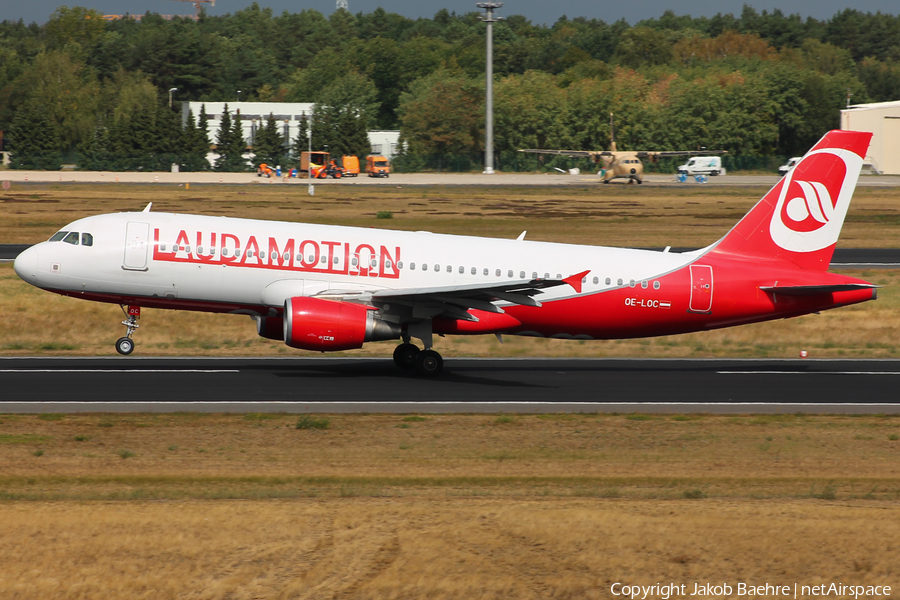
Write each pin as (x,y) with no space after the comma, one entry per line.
(813,290)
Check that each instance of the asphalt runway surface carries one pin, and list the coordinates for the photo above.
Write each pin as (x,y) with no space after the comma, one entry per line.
(135,384)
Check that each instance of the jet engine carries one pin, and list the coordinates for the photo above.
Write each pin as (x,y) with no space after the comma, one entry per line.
(328,325)
(270,328)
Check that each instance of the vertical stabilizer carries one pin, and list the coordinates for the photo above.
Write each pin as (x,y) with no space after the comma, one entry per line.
(800,218)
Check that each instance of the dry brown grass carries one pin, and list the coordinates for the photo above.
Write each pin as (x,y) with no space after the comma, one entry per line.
(452,506)
(261,456)
(593,214)
(437,548)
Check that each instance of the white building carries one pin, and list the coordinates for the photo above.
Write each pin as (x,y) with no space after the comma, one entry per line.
(882,119)
(253,115)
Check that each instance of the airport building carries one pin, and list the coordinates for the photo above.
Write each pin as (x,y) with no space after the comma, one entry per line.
(882,119)
(253,116)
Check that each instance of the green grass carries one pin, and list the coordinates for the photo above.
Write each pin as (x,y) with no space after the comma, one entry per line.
(310,422)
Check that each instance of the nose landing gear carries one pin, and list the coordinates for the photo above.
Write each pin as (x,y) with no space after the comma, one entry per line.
(125,345)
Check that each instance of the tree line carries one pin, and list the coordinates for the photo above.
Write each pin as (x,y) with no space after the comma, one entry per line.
(755,84)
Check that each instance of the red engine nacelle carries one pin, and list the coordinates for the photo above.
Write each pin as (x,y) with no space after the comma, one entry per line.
(314,324)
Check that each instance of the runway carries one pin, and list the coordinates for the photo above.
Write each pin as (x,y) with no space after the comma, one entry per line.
(33,385)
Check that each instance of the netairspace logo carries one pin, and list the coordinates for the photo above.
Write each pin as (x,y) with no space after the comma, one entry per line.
(670,590)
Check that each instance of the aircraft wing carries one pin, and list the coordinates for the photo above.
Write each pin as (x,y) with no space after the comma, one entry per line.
(582,153)
(661,153)
(455,301)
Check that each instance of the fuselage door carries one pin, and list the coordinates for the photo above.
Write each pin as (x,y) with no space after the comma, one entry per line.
(701,288)
(137,237)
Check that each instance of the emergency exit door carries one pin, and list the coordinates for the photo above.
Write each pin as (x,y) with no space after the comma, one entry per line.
(701,288)
(137,237)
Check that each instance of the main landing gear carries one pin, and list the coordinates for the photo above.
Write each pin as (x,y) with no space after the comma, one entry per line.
(427,363)
(125,345)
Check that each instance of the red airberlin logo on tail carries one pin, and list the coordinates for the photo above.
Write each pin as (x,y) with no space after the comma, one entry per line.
(814,199)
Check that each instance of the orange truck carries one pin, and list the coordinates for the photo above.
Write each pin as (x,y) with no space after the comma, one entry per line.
(377,166)
(351,166)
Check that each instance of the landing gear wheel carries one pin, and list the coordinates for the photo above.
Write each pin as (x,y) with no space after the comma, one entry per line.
(639,181)
(125,346)
(405,356)
(429,363)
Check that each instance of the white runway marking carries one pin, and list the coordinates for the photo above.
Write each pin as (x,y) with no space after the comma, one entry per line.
(808,372)
(119,371)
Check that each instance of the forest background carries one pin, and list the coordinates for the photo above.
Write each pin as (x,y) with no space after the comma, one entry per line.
(83,90)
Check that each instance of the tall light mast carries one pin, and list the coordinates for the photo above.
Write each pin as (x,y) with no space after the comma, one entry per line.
(488,18)
(339,4)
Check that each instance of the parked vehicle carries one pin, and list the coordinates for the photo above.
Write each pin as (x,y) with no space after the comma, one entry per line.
(789,165)
(703,165)
(377,166)
(351,166)
(329,169)
(318,159)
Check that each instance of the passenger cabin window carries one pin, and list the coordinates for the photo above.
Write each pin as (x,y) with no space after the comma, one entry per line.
(597,280)
(449,269)
(72,238)
(87,239)
(462,270)
(58,236)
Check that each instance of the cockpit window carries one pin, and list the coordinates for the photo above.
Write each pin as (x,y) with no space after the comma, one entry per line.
(87,239)
(58,236)
(72,238)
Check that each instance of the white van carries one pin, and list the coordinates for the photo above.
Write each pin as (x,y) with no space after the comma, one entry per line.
(783,169)
(703,165)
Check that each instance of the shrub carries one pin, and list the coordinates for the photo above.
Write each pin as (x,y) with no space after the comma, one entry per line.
(418,419)
(81,438)
(384,214)
(310,422)
(694,494)
(38,452)
(123,454)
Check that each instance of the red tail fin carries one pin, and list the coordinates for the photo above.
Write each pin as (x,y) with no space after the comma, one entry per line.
(800,218)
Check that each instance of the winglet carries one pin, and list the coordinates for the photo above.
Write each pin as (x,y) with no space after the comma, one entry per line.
(575,280)
(147,208)
(521,236)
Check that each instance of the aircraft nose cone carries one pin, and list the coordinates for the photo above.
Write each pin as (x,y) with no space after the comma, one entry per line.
(26,264)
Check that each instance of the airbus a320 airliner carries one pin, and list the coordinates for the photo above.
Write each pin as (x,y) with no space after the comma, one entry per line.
(326,288)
